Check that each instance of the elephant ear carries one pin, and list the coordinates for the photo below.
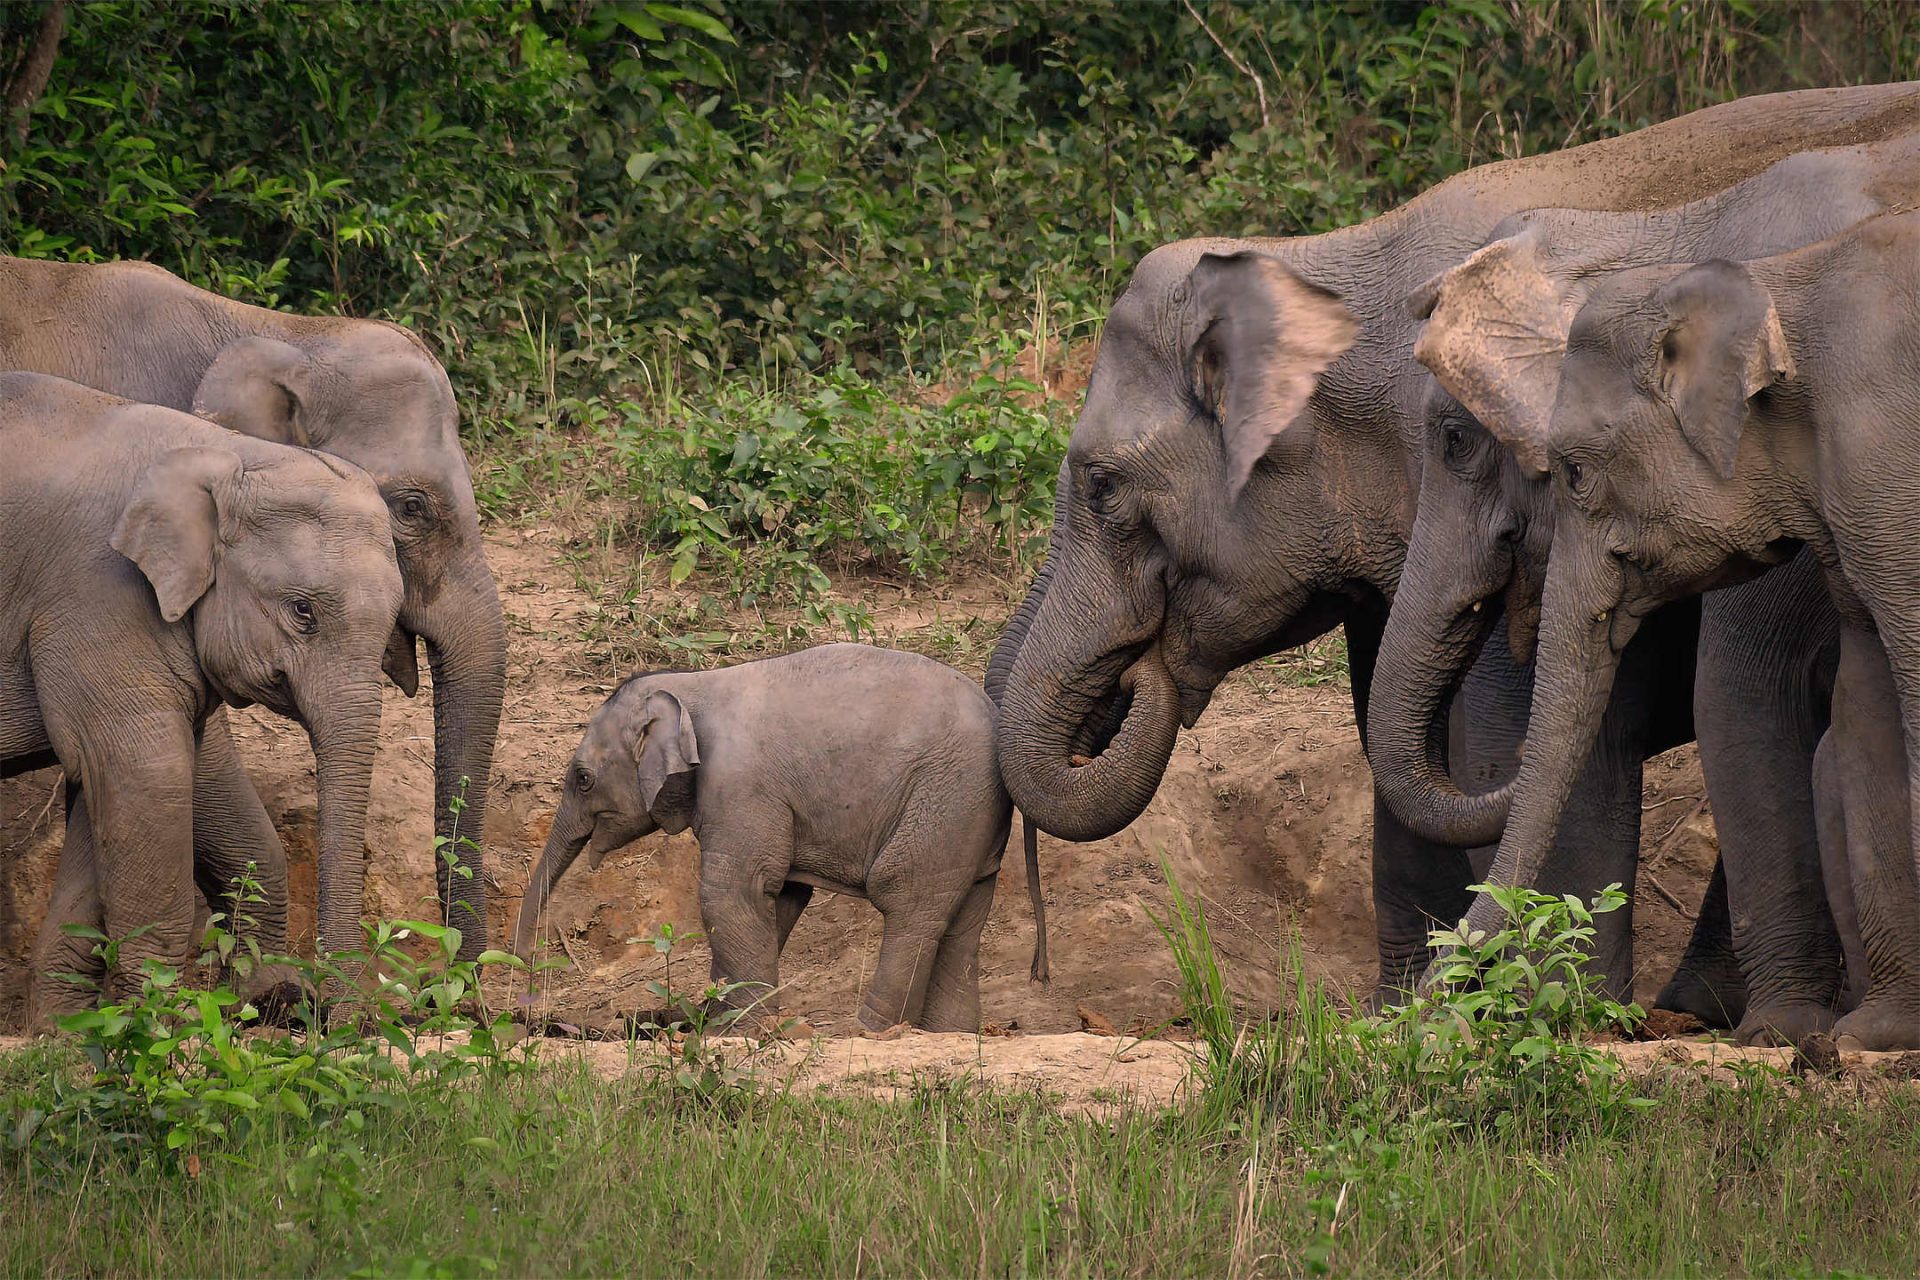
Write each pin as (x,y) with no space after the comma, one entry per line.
(171,525)
(1496,328)
(1266,336)
(1721,345)
(666,752)
(259,387)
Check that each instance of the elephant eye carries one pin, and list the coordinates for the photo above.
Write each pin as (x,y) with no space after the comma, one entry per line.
(1101,491)
(414,508)
(1456,442)
(303,613)
(582,779)
(1574,474)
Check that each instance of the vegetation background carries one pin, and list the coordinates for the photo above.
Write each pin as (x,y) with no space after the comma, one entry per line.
(788,280)
(763,290)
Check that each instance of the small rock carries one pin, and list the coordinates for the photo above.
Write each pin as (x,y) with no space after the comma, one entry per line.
(1904,1067)
(1816,1055)
(1011,1027)
(1666,1024)
(1095,1023)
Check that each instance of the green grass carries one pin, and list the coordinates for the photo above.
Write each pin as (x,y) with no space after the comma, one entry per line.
(562,1173)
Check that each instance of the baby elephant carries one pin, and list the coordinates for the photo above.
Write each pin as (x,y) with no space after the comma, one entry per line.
(858,770)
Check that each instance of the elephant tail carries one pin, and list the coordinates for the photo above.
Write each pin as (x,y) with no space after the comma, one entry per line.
(1031,836)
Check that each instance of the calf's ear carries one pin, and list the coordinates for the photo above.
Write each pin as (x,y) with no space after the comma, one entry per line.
(1720,346)
(170,527)
(666,752)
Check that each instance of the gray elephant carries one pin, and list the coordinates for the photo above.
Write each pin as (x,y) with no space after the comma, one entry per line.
(1496,327)
(155,566)
(1709,421)
(862,771)
(362,390)
(1243,476)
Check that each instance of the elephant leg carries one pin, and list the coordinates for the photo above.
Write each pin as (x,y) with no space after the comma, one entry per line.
(231,830)
(914,886)
(740,910)
(1836,867)
(57,955)
(1708,983)
(1870,758)
(1418,884)
(953,992)
(137,778)
(1761,703)
(787,906)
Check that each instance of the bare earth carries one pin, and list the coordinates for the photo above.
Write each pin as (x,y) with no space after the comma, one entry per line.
(1264,815)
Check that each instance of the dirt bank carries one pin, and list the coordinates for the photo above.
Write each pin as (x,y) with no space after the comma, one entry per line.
(1264,813)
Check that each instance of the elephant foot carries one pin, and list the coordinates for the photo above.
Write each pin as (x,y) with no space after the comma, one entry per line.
(1783,1025)
(1717,999)
(1876,1026)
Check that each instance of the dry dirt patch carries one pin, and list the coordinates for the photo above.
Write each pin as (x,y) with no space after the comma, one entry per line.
(1264,815)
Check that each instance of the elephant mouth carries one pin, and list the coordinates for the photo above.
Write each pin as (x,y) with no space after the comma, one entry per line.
(1110,710)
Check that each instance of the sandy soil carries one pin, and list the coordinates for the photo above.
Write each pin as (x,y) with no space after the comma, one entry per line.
(1264,814)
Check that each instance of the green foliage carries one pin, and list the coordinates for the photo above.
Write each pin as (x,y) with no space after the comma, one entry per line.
(688,1023)
(1497,1037)
(179,1074)
(605,213)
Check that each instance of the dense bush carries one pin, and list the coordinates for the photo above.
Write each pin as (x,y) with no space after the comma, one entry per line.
(595,201)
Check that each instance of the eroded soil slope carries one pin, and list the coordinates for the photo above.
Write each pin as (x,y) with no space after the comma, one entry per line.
(1264,814)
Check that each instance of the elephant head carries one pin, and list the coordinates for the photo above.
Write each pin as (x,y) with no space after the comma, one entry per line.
(371,393)
(1496,329)
(283,572)
(1174,541)
(1657,492)
(632,775)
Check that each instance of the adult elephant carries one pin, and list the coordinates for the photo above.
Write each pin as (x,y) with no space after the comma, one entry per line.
(1708,422)
(363,390)
(1497,326)
(1243,474)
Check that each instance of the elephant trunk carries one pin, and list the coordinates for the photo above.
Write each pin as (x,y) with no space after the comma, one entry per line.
(1427,648)
(467,650)
(1000,665)
(344,737)
(1584,628)
(572,828)
(1053,730)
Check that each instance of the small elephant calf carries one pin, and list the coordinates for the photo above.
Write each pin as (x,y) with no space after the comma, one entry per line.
(863,771)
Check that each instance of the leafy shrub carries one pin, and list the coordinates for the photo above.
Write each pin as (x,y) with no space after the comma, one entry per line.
(1498,1035)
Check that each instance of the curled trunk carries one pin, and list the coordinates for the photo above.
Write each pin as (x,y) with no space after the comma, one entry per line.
(467,649)
(1425,653)
(1068,769)
(1000,665)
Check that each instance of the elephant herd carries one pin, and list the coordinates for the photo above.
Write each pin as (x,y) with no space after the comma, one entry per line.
(1691,352)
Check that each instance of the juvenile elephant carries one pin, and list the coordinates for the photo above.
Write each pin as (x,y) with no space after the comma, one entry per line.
(862,771)
(362,390)
(1496,326)
(152,567)
(1710,420)
(1243,476)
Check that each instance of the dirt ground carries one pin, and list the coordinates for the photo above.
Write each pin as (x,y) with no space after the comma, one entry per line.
(1264,814)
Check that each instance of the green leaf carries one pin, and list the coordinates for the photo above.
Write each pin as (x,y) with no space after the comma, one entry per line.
(639,23)
(705,23)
